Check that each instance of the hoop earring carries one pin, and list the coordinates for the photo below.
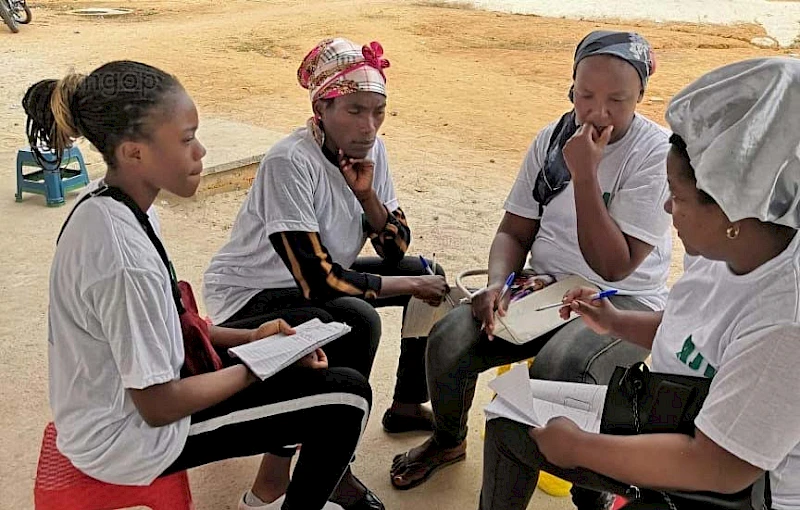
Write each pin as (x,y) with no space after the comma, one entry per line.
(732,232)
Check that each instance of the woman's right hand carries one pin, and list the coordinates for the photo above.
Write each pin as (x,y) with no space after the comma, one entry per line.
(484,305)
(599,315)
(316,359)
(430,289)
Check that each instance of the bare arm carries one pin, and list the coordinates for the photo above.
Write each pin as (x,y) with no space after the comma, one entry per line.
(604,318)
(225,338)
(166,403)
(510,246)
(610,253)
(376,212)
(664,461)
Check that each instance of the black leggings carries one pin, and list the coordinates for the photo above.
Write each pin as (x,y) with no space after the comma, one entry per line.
(324,410)
(357,349)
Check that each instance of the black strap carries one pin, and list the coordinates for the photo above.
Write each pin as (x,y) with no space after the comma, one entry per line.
(120,196)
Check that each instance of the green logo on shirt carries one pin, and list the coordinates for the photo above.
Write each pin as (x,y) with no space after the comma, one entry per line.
(698,362)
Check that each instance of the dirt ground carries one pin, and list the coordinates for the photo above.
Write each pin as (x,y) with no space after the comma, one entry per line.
(468,91)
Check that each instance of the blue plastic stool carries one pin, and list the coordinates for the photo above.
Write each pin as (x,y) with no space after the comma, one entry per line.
(53,180)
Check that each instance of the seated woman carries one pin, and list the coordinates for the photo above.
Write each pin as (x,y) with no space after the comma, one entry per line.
(734,175)
(318,195)
(587,201)
(123,412)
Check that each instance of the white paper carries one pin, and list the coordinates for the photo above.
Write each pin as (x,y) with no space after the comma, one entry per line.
(268,356)
(535,402)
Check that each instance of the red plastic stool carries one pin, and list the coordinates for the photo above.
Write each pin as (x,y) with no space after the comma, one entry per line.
(60,486)
(619,502)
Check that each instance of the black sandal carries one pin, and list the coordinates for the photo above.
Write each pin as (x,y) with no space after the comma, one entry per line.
(397,423)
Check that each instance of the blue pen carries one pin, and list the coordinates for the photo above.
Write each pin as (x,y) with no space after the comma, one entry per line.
(507,285)
(430,271)
(426,266)
(604,294)
(594,297)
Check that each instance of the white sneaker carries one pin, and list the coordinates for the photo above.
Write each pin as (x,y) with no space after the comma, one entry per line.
(276,505)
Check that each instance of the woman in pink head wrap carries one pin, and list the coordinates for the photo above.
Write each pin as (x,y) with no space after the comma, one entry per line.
(319,194)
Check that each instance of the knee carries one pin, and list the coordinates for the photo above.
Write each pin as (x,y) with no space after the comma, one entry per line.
(349,381)
(566,358)
(359,315)
(512,437)
(450,341)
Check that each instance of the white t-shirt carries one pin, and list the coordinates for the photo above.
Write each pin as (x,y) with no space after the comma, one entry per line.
(295,189)
(744,331)
(112,325)
(633,179)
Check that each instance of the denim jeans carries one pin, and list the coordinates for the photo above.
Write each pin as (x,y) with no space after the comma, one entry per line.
(458,351)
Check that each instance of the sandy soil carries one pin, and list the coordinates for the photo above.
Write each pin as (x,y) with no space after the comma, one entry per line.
(468,91)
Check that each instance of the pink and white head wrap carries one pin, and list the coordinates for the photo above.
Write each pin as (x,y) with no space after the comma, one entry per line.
(336,67)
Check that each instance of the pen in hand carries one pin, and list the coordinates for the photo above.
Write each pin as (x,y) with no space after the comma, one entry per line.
(594,297)
(431,272)
(506,286)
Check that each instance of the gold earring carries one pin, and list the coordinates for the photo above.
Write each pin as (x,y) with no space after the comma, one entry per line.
(732,232)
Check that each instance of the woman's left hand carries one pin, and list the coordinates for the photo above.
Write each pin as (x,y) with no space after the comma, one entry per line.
(358,174)
(271,328)
(557,441)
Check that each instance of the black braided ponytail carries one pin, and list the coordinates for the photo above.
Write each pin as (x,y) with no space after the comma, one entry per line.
(107,107)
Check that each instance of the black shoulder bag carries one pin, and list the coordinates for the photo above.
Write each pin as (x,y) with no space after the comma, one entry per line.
(642,402)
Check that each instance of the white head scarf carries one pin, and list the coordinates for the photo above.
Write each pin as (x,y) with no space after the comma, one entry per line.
(741,125)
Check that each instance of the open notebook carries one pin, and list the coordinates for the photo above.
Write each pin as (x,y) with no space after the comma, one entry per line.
(523,322)
(268,356)
(535,402)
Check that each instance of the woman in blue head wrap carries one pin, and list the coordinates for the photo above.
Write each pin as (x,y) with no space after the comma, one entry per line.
(587,202)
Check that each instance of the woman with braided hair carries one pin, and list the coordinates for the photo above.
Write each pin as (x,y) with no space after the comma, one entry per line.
(123,412)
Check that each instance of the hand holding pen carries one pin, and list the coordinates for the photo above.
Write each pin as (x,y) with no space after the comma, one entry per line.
(594,297)
(489,301)
(432,272)
(594,308)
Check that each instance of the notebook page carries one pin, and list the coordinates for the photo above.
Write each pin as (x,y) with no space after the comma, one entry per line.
(269,355)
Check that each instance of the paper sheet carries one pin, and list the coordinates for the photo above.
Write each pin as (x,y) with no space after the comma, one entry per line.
(535,402)
(420,317)
(268,356)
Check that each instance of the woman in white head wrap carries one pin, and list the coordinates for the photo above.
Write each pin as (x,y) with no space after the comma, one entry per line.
(734,316)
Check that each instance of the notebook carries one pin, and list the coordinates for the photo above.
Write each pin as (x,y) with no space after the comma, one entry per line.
(535,402)
(420,316)
(268,356)
(523,322)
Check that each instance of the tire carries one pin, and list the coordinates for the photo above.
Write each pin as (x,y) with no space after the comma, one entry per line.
(26,16)
(8,18)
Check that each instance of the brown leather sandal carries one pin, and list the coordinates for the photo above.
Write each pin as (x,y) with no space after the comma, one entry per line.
(415,466)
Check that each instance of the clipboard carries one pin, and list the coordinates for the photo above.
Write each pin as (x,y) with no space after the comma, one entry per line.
(523,322)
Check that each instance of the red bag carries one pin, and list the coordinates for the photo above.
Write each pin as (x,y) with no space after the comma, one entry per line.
(199,353)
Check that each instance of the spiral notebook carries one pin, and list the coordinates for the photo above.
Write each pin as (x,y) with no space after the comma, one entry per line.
(523,322)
